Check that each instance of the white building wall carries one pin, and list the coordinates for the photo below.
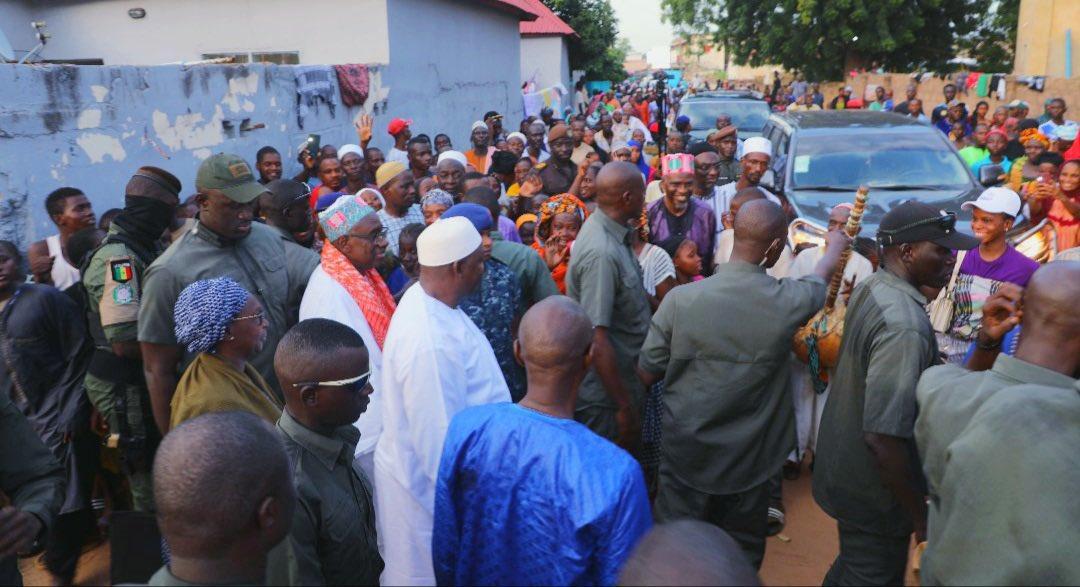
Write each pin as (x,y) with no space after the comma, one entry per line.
(546,61)
(323,31)
(450,62)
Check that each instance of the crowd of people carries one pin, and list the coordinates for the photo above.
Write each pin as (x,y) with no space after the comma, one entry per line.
(505,364)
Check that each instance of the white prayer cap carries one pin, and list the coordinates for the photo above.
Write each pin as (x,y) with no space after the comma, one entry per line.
(517,135)
(446,241)
(454,155)
(346,149)
(757,145)
(479,124)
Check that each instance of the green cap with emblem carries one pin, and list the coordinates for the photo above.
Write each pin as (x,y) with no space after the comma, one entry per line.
(231,175)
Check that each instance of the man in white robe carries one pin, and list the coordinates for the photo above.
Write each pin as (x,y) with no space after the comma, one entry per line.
(436,363)
(355,244)
(725,240)
(808,404)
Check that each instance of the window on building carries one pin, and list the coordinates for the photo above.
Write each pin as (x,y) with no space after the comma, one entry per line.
(236,57)
(278,57)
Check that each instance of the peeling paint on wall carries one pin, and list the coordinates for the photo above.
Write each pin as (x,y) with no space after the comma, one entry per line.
(89,118)
(98,146)
(188,131)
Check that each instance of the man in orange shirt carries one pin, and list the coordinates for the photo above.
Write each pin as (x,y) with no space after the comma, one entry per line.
(480,155)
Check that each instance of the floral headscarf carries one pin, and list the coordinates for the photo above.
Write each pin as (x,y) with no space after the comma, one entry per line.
(560,204)
(1033,134)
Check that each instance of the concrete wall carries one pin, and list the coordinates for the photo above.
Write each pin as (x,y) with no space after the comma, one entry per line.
(91,127)
(323,31)
(546,61)
(452,62)
(15,24)
(930,90)
(1040,37)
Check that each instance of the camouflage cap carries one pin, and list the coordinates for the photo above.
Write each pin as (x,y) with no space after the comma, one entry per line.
(231,175)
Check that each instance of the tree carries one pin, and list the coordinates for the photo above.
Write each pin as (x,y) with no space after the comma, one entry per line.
(993,44)
(823,38)
(596,50)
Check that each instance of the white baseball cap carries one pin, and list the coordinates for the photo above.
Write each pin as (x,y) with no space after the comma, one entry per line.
(996,200)
(757,145)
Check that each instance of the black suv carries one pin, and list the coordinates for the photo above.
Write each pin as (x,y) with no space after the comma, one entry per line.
(821,157)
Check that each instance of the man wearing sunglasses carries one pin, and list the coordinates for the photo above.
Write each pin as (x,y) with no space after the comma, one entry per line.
(867,474)
(326,377)
(284,206)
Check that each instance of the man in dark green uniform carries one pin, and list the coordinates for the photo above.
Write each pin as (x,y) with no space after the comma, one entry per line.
(333,539)
(605,278)
(224,242)
(114,279)
(33,481)
(559,171)
(997,457)
(866,472)
(729,422)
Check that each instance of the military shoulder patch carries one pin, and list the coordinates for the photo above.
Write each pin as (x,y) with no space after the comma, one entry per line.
(121,270)
(123,294)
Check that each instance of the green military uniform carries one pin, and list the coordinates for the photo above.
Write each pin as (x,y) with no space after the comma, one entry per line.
(1001,465)
(268,265)
(605,278)
(30,477)
(114,280)
(557,178)
(333,539)
(729,172)
(728,422)
(531,270)
(888,342)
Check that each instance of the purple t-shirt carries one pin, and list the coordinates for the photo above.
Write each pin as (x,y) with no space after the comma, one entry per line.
(1012,267)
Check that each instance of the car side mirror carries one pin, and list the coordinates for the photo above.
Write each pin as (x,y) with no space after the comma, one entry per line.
(990,175)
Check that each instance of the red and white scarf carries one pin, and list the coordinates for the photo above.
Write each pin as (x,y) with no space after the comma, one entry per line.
(366,288)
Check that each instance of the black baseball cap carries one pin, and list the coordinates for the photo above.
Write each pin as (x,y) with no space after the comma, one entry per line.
(283,192)
(913,222)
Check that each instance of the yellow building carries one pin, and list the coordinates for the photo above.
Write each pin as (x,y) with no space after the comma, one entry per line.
(1041,37)
(700,55)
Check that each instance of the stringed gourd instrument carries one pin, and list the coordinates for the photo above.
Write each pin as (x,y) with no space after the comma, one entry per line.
(817,343)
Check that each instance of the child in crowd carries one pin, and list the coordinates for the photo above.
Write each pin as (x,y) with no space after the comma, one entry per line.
(687,262)
(526,227)
(408,269)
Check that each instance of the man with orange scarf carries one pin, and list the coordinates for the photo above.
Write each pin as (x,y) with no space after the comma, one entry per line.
(346,288)
(561,218)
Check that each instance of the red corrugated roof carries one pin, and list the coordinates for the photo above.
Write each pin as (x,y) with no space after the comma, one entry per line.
(547,22)
(520,8)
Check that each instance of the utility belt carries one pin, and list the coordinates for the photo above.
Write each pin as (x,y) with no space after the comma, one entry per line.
(136,447)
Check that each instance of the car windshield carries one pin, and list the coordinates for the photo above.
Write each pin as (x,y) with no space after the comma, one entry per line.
(877,160)
(748,115)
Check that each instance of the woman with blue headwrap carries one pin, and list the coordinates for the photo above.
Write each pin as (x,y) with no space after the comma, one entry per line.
(224,326)
(637,157)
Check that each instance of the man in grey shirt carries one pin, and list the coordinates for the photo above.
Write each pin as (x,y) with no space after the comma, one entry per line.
(605,278)
(225,242)
(866,472)
(729,422)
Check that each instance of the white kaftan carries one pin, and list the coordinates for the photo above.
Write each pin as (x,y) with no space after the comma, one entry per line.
(808,404)
(436,363)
